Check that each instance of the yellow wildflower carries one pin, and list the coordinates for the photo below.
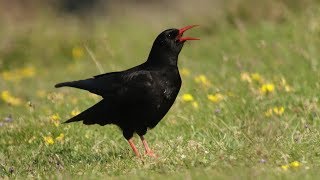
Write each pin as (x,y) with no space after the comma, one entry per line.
(256,77)
(60,137)
(75,112)
(55,118)
(215,97)
(185,72)
(195,105)
(267,88)
(187,97)
(202,79)
(295,164)
(278,110)
(77,52)
(27,72)
(246,77)
(268,113)
(18,74)
(8,98)
(285,167)
(48,140)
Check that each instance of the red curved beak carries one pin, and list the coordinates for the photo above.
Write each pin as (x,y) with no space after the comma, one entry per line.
(182,30)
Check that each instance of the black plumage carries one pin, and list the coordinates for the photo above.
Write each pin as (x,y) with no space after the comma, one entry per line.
(138,98)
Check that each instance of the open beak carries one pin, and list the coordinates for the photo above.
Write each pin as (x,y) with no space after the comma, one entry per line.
(182,30)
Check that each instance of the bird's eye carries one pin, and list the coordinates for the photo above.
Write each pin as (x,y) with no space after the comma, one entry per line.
(170,35)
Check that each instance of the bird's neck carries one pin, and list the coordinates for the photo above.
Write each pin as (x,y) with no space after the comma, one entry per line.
(158,58)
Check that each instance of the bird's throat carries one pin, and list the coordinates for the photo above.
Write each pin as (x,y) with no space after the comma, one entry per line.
(162,59)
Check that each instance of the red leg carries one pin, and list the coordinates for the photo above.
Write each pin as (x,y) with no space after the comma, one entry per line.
(135,150)
(146,147)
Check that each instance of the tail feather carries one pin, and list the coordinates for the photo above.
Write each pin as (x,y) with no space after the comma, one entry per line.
(63,84)
(87,84)
(81,84)
(93,115)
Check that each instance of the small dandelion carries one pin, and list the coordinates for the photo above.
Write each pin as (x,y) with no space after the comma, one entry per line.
(295,164)
(278,110)
(18,74)
(187,97)
(75,112)
(215,98)
(185,72)
(183,156)
(27,72)
(267,88)
(55,119)
(60,137)
(257,77)
(11,100)
(203,80)
(48,140)
(275,110)
(285,167)
(268,113)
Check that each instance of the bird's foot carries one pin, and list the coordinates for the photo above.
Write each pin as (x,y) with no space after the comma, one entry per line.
(151,154)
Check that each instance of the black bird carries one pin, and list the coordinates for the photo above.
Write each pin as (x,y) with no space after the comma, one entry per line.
(138,98)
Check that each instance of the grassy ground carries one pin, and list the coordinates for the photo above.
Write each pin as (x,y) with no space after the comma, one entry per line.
(248,107)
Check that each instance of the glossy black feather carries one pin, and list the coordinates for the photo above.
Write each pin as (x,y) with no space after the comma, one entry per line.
(138,98)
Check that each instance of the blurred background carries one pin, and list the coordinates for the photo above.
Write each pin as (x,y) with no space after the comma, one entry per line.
(51,28)
(44,42)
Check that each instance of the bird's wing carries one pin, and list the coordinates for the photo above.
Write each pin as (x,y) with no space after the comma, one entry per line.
(135,85)
(126,84)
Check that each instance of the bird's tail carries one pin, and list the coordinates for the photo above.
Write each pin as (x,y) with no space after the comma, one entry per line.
(86,84)
(75,84)
(93,115)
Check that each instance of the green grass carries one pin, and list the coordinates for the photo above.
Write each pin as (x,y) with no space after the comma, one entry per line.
(231,139)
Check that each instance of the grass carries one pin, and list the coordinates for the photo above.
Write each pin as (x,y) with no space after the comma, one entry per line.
(231,138)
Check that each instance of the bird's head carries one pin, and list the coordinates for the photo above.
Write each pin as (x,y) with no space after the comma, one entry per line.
(169,43)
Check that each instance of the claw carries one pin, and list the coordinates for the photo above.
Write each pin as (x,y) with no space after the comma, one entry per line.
(148,151)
